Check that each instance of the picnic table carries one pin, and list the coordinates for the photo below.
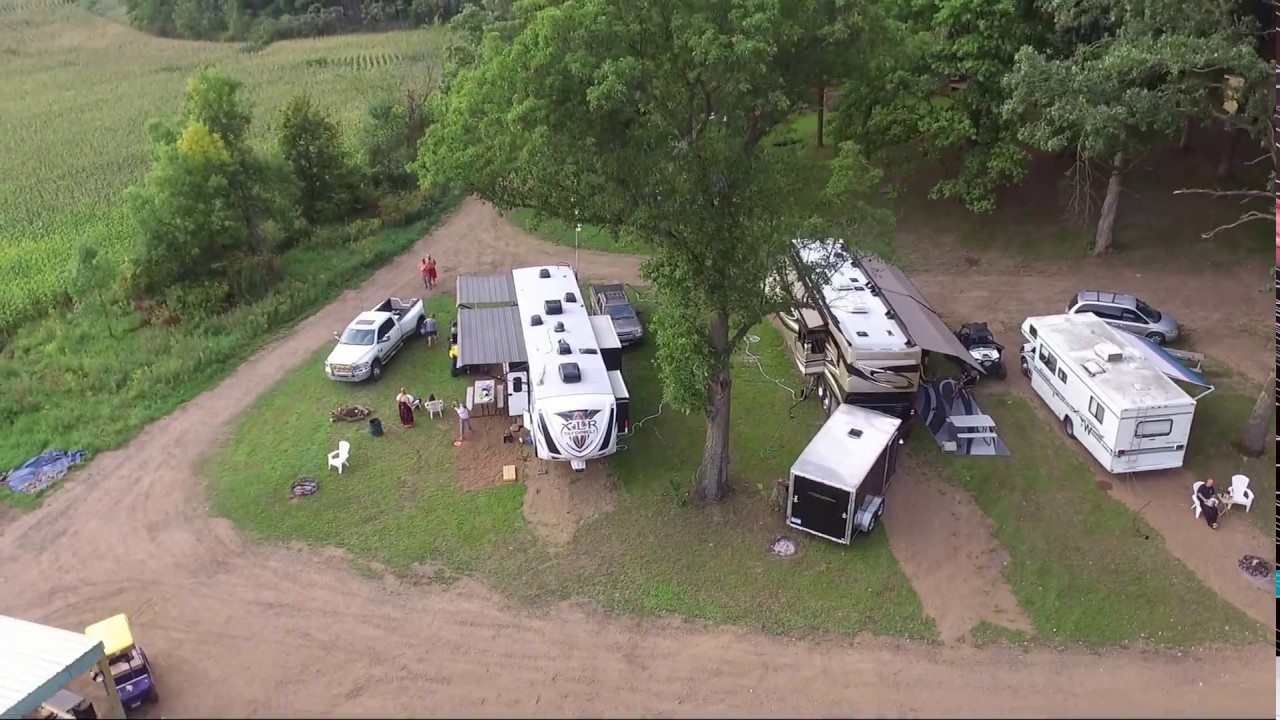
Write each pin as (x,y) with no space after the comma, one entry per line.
(482,397)
(973,427)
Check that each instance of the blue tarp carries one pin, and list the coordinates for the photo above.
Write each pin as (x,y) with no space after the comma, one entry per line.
(43,470)
(1166,363)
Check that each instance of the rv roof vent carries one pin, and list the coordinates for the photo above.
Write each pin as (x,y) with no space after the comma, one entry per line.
(855,433)
(570,297)
(544,273)
(859,288)
(1093,367)
(588,351)
(862,333)
(1140,387)
(535,321)
(858,308)
(553,307)
(843,286)
(562,348)
(1108,352)
(570,373)
(558,327)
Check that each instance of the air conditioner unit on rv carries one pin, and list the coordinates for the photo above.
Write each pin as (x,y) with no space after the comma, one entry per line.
(1108,352)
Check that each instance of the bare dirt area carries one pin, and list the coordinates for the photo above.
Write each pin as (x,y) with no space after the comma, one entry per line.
(482,454)
(253,631)
(947,549)
(557,501)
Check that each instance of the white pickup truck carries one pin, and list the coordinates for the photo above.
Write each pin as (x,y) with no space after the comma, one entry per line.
(372,338)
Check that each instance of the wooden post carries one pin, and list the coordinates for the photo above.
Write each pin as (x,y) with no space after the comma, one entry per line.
(115,709)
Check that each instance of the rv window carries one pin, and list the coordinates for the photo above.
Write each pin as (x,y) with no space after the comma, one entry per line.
(1032,329)
(818,346)
(1048,360)
(1153,428)
(1098,412)
(1062,375)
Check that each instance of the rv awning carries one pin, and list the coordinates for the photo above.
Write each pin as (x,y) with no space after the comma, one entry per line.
(923,324)
(1165,362)
(490,336)
(37,660)
(478,290)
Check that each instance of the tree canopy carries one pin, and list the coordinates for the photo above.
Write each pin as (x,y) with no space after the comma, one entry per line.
(652,119)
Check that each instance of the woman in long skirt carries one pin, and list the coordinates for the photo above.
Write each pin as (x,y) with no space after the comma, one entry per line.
(406,410)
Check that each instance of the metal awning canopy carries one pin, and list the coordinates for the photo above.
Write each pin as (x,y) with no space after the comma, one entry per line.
(923,324)
(36,661)
(480,290)
(490,336)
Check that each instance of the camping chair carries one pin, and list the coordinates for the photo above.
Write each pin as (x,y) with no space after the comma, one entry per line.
(1195,498)
(338,458)
(415,402)
(434,408)
(1240,494)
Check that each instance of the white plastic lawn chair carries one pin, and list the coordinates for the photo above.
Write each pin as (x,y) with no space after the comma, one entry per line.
(434,408)
(415,402)
(338,458)
(1195,498)
(1240,493)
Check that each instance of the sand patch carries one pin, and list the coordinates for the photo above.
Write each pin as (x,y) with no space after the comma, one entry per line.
(947,548)
(480,459)
(558,502)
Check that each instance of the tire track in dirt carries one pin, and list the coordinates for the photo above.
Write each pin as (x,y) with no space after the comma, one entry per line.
(239,629)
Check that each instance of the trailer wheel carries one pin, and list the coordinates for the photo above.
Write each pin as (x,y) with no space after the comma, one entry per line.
(1068,427)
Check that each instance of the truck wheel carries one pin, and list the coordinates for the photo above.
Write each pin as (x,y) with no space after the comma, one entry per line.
(1025,366)
(153,696)
(1001,371)
(422,327)
(1068,427)
(375,371)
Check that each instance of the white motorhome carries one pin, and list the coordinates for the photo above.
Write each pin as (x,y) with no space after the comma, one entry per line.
(571,409)
(837,485)
(1109,392)
(847,339)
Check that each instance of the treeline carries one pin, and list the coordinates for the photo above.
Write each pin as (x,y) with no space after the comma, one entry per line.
(262,21)
(216,212)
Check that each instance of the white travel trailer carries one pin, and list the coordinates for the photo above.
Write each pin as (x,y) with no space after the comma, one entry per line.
(837,485)
(1111,391)
(571,409)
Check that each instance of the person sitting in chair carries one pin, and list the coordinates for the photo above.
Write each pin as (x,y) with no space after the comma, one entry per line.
(968,380)
(1208,503)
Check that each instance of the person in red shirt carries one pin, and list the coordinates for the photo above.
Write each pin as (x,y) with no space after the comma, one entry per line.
(431,272)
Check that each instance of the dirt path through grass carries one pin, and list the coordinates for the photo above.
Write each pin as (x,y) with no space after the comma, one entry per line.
(948,550)
(239,629)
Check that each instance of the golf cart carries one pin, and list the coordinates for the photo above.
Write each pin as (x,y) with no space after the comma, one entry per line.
(130,670)
(982,346)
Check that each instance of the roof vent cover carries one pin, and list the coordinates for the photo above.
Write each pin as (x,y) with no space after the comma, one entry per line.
(1107,352)
(535,321)
(562,348)
(544,273)
(558,327)
(570,373)
(553,307)
(570,297)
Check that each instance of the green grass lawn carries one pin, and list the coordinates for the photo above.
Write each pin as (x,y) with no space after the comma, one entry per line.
(1079,566)
(562,233)
(1211,452)
(68,384)
(397,505)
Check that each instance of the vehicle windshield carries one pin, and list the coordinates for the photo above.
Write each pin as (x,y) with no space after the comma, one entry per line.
(357,336)
(1148,312)
(620,312)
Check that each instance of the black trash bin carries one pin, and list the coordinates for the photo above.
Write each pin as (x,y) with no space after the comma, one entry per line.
(375,427)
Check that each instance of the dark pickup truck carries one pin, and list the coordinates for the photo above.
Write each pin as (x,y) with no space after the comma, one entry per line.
(612,300)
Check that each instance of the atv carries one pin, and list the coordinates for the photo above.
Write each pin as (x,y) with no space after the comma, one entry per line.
(982,346)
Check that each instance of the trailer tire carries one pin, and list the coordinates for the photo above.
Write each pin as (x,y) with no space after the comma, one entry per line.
(1068,427)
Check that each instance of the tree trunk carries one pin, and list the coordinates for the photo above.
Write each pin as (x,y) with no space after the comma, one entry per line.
(1253,441)
(1107,222)
(822,111)
(1229,154)
(713,475)
(106,315)
(1184,142)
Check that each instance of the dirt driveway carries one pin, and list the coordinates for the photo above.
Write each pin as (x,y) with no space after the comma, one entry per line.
(237,629)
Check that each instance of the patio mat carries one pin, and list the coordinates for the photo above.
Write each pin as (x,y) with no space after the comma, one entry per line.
(933,408)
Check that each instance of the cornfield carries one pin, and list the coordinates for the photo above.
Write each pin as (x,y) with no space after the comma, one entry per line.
(79,89)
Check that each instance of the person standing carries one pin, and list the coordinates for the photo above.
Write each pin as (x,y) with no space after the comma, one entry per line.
(464,419)
(431,329)
(405,404)
(1208,503)
(432,275)
(425,269)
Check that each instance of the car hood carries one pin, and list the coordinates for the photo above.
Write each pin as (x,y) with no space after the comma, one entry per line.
(626,325)
(350,354)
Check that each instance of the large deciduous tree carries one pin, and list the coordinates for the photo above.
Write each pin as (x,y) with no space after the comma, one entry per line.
(650,118)
(1139,70)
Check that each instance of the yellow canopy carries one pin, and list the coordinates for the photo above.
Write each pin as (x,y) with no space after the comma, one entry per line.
(114,633)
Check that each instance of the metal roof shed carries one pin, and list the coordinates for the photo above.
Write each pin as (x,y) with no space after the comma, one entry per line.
(481,290)
(490,336)
(37,660)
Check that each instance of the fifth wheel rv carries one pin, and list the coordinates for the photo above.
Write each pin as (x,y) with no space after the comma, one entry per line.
(1108,392)
(572,406)
(846,339)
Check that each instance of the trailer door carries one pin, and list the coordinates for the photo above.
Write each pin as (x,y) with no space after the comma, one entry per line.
(820,509)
